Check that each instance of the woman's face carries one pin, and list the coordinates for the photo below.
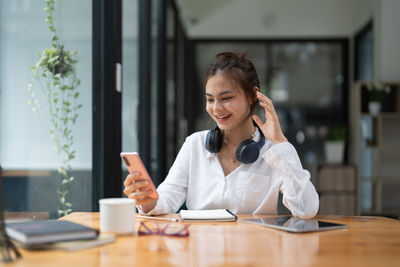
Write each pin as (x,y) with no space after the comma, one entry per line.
(227,104)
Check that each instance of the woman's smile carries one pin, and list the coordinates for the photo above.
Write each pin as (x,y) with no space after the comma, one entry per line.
(223,118)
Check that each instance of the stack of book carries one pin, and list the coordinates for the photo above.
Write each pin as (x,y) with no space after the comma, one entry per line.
(55,234)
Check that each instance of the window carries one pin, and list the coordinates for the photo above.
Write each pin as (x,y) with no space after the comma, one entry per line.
(27,152)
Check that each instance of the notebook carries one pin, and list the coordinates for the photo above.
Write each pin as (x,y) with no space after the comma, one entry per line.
(48,231)
(219,215)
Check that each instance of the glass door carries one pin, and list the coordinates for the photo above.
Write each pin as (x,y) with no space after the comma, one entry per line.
(46,111)
(130,83)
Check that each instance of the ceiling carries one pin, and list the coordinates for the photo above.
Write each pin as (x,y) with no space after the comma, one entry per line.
(267,18)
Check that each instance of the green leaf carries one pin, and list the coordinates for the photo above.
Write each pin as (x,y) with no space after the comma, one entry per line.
(62,171)
(69,205)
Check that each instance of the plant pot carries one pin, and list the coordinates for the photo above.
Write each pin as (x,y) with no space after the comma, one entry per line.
(374,107)
(334,151)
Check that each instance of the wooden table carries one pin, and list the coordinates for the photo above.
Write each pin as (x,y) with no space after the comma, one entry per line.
(369,241)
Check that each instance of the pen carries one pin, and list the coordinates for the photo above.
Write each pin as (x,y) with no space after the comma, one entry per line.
(157,218)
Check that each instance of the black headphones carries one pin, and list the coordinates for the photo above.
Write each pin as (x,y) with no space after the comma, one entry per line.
(247,151)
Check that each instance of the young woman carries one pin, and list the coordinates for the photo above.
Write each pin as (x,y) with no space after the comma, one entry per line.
(240,165)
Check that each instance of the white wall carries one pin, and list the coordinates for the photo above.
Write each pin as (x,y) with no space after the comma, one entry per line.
(386,30)
(388,43)
(362,12)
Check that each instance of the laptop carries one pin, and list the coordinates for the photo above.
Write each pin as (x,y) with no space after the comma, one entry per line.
(294,224)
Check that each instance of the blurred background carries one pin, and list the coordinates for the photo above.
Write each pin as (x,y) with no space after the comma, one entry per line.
(142,65)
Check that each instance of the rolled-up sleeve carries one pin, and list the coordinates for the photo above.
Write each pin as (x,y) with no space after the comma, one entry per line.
(173,191)
(299,194)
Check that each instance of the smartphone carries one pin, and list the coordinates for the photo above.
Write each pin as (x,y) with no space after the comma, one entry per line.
(134,164)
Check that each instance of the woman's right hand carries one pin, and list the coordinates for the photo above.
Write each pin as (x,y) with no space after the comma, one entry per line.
(140,190)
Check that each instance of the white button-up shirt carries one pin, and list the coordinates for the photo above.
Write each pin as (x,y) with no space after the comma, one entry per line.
(198,178)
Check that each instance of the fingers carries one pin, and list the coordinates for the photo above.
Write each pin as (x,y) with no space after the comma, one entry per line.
(263,97)
(265,101)
(130,178)
(258,120)
(137,186)
(141,197)
(145,200)
(139,194)
(268,106)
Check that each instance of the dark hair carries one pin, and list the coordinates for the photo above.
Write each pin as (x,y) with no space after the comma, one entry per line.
(240,68)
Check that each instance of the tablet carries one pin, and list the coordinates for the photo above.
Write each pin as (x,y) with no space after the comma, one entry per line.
(294,224)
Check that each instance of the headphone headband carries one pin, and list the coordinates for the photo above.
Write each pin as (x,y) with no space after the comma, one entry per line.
(248,151)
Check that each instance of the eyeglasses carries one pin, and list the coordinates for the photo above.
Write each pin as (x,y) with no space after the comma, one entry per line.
(170,229)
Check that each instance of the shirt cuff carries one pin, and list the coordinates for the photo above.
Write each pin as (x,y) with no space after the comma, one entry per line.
(158,209)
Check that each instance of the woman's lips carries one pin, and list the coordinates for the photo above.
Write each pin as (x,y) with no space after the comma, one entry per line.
(223,118)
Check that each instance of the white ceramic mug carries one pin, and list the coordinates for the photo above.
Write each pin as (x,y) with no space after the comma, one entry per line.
(117,215)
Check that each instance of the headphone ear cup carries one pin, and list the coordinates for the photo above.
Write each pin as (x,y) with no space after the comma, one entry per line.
(247,152)
(214,140)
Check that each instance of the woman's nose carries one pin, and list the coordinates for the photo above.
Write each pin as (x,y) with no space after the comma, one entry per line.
(218,105)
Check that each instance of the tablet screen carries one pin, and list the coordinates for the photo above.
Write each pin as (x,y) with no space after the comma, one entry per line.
(294,224)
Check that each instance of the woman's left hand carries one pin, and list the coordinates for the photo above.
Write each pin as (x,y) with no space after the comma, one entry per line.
(271,127)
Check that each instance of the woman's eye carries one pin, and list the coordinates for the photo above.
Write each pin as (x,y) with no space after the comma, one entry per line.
(227,98)
(209,100)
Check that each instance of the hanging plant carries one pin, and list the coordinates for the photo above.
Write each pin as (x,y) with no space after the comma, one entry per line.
(55,74)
